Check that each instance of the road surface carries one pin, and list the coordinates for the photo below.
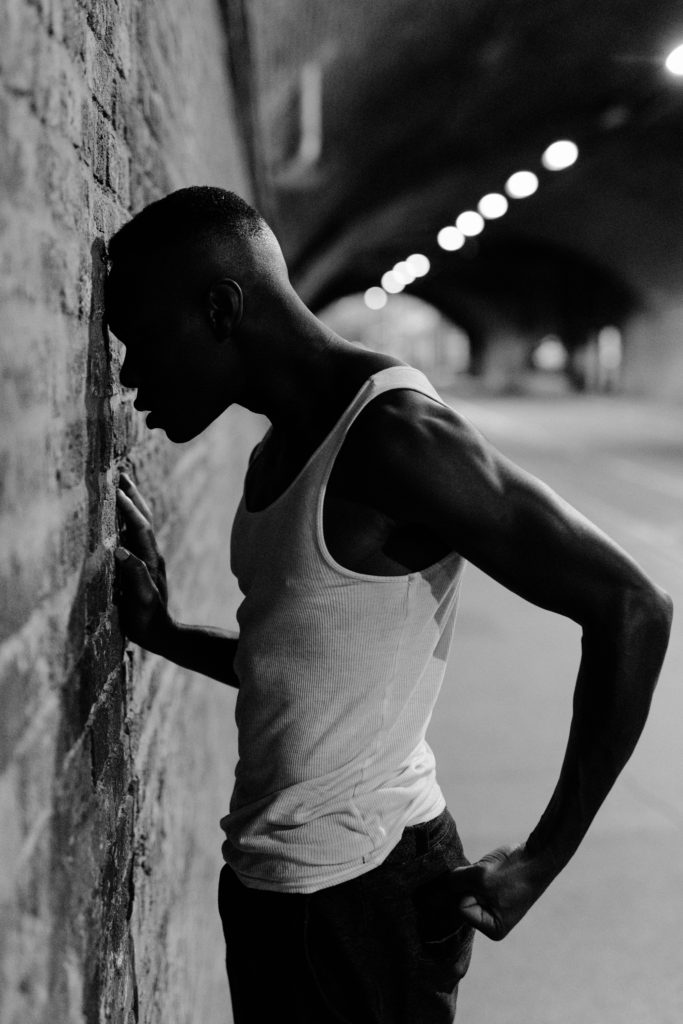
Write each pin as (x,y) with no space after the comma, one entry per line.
(604,945)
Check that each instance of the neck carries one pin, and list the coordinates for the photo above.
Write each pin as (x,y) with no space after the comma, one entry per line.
(293,372)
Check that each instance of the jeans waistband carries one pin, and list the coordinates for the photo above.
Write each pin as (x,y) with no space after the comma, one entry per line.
(424,833)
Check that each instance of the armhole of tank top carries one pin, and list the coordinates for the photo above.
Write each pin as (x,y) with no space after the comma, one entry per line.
(258,447)
(322,547)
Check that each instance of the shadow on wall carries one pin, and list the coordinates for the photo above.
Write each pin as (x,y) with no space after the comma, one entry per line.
(94,791)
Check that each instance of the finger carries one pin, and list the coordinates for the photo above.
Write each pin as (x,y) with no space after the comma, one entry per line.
(140,528)
(481,919)
(131,491)
(135,574)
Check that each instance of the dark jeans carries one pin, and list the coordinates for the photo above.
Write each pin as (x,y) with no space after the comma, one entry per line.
(387,947)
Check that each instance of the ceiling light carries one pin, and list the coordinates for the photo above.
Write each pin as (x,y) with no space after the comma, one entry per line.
(674,62)
(560,155)
(375,298)
(403,272)
(450,238)
(492,205)
(521,184)
(391,283)
(419,264)
(470,223)
(550,354)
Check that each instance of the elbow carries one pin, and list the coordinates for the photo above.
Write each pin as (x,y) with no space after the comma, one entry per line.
(638,609)
(667,606)
(650,608)
(660,606)
(665,610)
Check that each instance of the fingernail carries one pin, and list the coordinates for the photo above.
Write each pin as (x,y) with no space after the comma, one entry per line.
(120,554)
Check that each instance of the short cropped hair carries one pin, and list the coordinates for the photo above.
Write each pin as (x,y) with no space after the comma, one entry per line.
(182,217)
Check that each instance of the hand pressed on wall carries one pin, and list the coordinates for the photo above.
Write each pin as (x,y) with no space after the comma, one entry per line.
(141,573)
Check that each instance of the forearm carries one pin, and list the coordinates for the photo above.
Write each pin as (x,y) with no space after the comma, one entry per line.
(203,649)
(619,668)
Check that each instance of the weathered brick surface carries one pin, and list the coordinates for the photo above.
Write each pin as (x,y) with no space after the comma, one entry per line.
(115,766)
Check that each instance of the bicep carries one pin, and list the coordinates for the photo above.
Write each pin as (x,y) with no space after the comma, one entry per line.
(535,543)
(504,520)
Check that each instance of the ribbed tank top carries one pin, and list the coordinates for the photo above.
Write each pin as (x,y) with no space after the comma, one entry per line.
(339,672)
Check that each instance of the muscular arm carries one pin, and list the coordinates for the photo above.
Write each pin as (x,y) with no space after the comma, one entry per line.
(204,649)
(424,464)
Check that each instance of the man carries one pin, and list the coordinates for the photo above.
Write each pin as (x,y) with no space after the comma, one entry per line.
(346,895)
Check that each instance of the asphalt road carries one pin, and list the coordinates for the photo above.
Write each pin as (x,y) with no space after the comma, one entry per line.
(604,945)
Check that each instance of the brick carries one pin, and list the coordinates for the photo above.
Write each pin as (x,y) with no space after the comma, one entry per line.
(11,839)
(60,180)
(74,26)
(34,762)
(103,106)
(100,17)
(59,258)
(70,458)
(57,92)
(102,79)
(26,387)
(19,267)
(118,45)
(89,115)
(25,473)
(17,157)
(24,572)
(27,665)
(119,109)
(44,8)
(100,152)
(118,170)
(21,36)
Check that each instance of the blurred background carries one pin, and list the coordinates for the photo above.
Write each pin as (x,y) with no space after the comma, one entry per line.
(492,192)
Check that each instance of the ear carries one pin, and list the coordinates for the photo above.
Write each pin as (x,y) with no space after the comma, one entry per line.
(226,305)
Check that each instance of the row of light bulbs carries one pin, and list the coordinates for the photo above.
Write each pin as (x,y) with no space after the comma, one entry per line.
(556,157)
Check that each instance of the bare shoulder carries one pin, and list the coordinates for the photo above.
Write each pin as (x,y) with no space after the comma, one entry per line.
(405,424)
(407,451)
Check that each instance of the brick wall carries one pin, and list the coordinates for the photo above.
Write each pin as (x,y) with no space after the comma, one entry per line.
(114,765)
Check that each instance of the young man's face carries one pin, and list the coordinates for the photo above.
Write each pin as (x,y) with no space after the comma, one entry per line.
(173,359)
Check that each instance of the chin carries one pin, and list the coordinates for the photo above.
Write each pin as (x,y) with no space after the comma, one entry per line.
(178,435)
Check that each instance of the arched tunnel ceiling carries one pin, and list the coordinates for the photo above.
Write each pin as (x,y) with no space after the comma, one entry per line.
(426,105)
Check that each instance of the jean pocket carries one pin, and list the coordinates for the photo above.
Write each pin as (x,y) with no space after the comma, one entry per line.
(444,938)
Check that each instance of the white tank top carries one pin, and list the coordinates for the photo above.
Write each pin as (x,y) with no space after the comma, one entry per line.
(339,672)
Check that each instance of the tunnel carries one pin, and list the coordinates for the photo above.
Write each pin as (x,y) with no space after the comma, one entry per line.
(490,192)
(374,133)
